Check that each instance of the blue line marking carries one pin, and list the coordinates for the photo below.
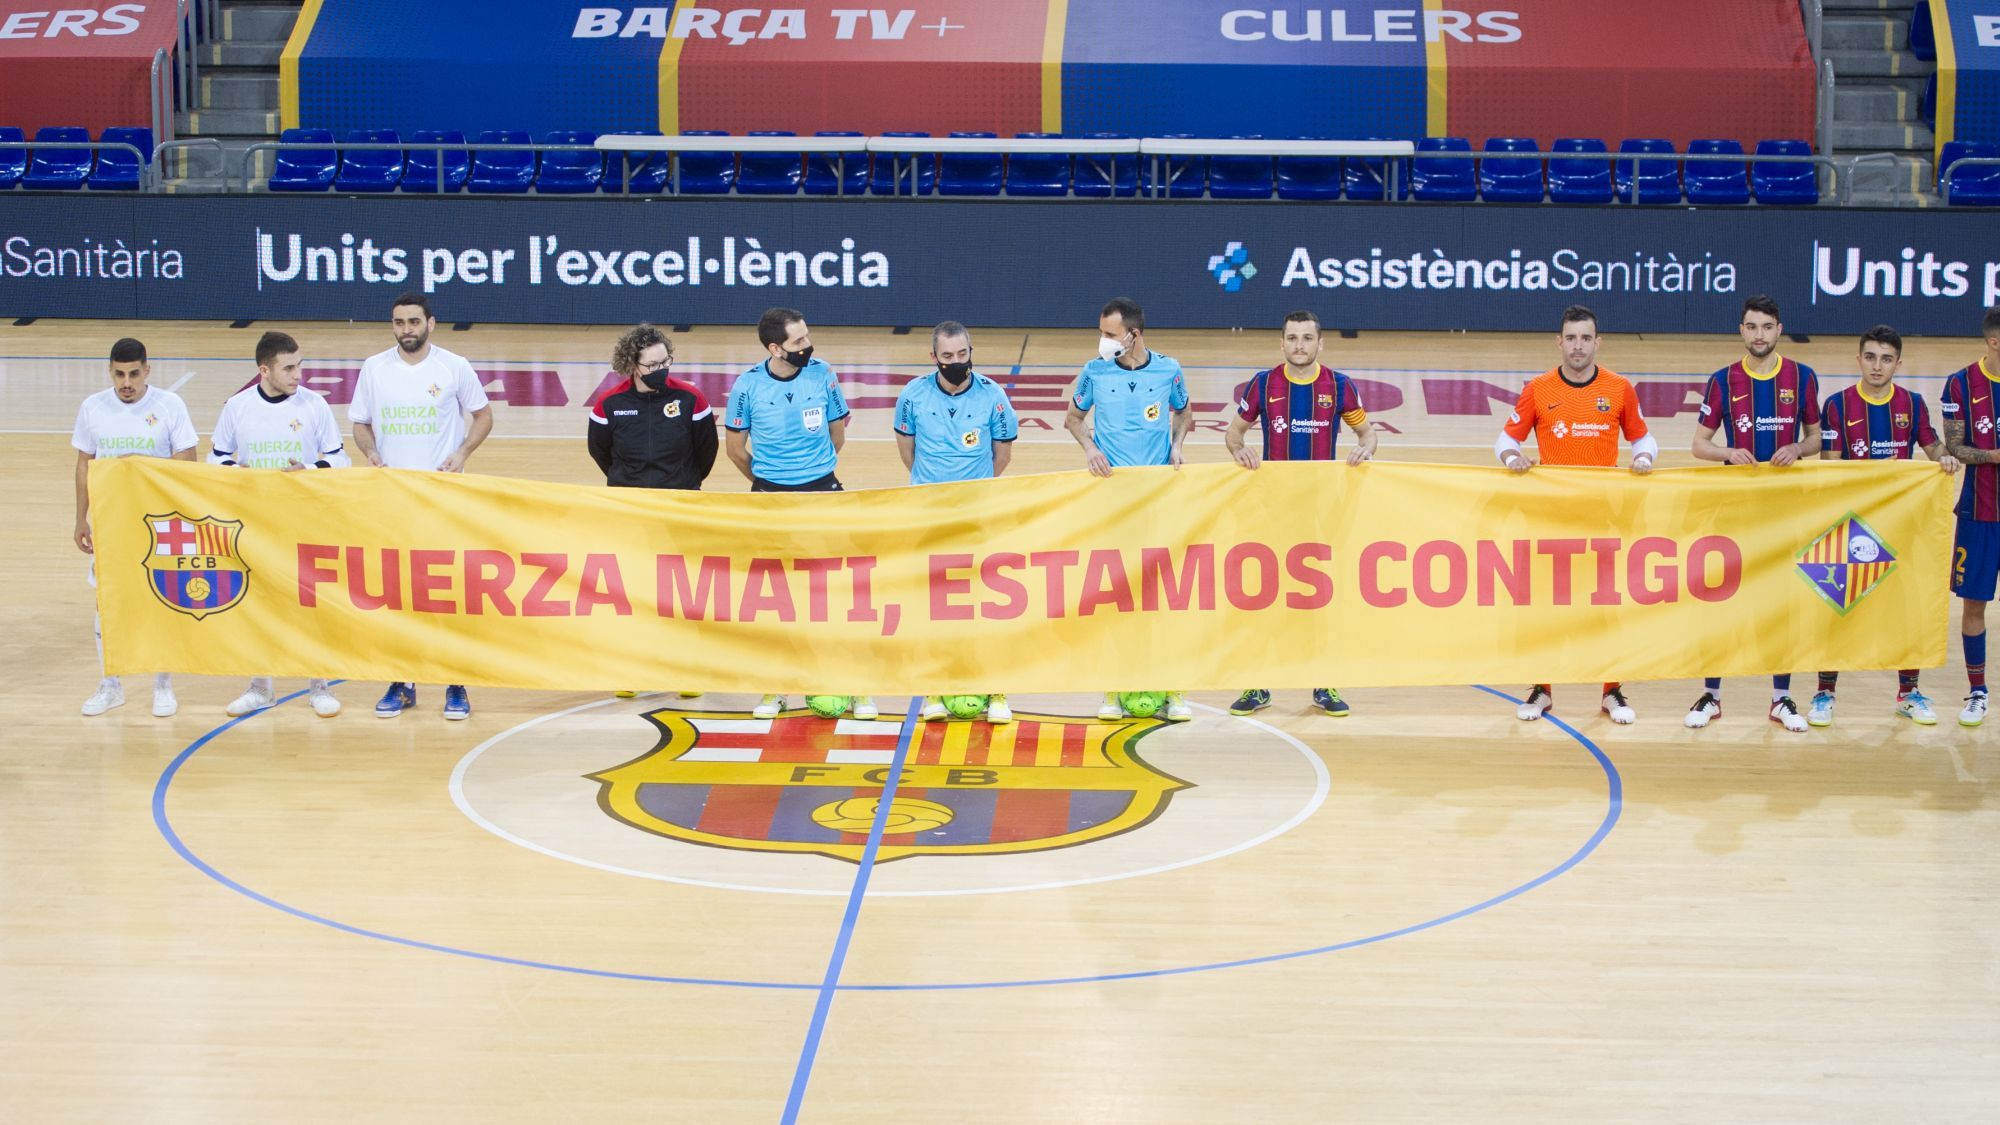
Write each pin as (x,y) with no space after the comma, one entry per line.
(831,983)
(1615,802)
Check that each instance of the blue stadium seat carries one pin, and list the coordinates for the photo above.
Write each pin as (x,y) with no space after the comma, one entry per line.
(1366,177)
(59,169)
(706,172)
(13,161)
(1716,182)
(1100,176)
(370,169)
(884,180)
(1240,177)
(1186,176)
(1784,183)
(771,173)
(310,169)
(421,172)
(1511,179)
(1977,186)
(502,172)
(1038,173)
(647,171)
(1648,181)
(1309,177)
(118,170)
(1447,179)
(570,173)
(970,173)
(1580,179)
(836,173)
(1923,37)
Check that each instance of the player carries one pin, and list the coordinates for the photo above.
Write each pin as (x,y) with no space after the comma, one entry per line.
(1767,408)
(1878,420)
(955,425)
(1972,435)
(418,406)
(1576,411)
(786,422)
(129,419)
(1130,407)
(277,424)
(1299,406)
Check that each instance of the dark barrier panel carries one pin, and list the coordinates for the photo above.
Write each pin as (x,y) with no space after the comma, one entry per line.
(1003,263)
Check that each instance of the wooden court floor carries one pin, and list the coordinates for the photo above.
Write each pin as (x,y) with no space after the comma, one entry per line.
(1425,912)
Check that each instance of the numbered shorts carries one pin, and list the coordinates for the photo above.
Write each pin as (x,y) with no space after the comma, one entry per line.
(1975,559)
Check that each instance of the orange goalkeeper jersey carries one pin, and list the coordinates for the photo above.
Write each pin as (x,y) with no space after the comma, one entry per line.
(1577,425)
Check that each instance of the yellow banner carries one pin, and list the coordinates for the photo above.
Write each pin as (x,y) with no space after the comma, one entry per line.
(1210,577)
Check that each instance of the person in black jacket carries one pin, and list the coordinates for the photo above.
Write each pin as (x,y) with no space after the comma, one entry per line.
(656,431)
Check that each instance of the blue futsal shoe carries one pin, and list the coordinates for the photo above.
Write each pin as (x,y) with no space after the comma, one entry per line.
(395,699)
(456,704)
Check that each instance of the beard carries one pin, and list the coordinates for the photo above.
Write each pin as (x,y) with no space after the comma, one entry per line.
(413,345)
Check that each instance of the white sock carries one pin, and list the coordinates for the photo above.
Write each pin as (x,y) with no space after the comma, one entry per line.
(163,681)
(319,686)
(1776,695)
(261,683)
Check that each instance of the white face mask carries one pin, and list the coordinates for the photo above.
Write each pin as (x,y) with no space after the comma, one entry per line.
(1109,349)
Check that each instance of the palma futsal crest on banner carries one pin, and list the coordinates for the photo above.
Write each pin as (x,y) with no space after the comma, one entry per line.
(1846,562)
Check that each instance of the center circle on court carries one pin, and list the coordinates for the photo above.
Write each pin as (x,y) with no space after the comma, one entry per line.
(537,785)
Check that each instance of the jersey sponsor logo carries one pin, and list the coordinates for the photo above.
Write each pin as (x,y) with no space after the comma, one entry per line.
(1559,430)
(810,786)
(1279,424)
(1743,424)
(1984,426)
(192,564)
(1860,448)
(625,414)
(1846,562)
(672,409)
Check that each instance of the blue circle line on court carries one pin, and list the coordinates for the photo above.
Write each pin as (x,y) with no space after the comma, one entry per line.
(1614,807)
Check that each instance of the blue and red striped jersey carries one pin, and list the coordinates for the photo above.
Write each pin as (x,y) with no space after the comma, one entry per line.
(1863,430)
(1968,398)
(1761,414)
(1301,421)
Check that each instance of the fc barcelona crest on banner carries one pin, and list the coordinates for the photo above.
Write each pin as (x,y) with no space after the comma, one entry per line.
(193,565)
(802,784)
(1846,562)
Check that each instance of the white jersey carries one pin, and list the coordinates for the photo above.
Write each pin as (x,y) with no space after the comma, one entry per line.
(258,433)
(416,410)
(156,426)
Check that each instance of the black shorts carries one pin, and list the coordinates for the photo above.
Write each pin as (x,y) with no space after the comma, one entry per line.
(827,483)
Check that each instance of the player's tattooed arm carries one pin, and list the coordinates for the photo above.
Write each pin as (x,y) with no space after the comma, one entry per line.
(1935,451)
(1962,450)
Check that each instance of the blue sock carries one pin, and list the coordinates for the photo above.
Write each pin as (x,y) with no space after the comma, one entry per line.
(1713,684)
(1782,683)
(1975,661)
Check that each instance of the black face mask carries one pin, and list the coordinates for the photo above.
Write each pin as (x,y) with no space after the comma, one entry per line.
(655,380)
(955,374)
(801,357)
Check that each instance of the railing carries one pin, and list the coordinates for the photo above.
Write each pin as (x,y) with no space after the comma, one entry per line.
(1944,181)
(138,157)
(338,147)
(1162,149)
(189,67)
(160,96)
(837,147)
(158,170)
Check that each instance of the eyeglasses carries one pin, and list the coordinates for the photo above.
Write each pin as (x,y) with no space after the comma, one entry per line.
(648,368)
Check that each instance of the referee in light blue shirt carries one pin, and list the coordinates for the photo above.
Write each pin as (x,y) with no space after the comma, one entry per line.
(1130,408)
(787,418)
(953,425)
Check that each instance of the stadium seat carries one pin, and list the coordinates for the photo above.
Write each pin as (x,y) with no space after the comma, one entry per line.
(1186,176)
(1100,176)
(1580,179)
(309,169)
(1716,182)
(1366,177)
(13,161)
(889,173)
(1038,173)
(504,171)
(1923,37)
(1511,179)
(642,173)
(118,170)
(1648,181)
(59,169)
(1240,177)
(971,173)
(1787,182)
(421,172)
(1309,177)
(836,173)
(771,173)
(570,173)
(1447,179)
(708,172)
(1977,186)
(370,169)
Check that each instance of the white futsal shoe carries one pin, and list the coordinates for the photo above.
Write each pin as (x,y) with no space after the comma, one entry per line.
(1973,715)
(164,703)
(997,711)
(323,703)
(1178,710)
(256,698)
(1620,711)
(1785,713)
(864,707)
(1706,710)
(1820,714)
(110,693)
(1110,709)
(1538,703)
(769,707)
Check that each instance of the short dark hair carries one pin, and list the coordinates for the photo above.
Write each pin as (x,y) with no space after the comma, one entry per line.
(417,299)
(128,350)
(625,353)
(776,324)
(947,328)
(1883,334)
(1761,303)
(1298,315)
(1576,313)
(271,345)
(1128,310)
(1989,327)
